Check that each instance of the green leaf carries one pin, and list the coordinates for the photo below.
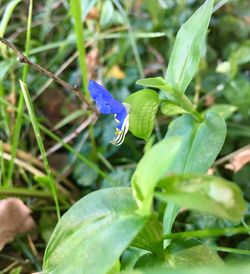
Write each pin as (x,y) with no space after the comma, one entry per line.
(36,128)
(201,142)
(170,213)
(7,15)
(143,108)
(224,110)
(204,193)
(93,233)
(227,269)
(153,165)
(195,256)
(107,13)
(16,270)
(187,49)
(69,118)
(242,55)
(237,92)
(156,82)
(5,66)
(150,237)
(170,108)
(130,257)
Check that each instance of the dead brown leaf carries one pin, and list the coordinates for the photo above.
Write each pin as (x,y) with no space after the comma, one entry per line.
(15,218)
(239,160)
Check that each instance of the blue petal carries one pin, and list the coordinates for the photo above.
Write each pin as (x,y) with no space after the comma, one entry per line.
(104,100)
(107,104)
(121,117)
(102,106)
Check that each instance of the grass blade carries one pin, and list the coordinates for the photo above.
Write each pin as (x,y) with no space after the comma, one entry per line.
(34,123)
(75,8)
(19,119)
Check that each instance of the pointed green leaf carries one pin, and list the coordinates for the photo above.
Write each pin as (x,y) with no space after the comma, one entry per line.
(194,256)
(153,165)
(204,193)
(201,142)
(143,108)
(156,82)
(171,108)
(224,110)
(150,237)
(237,92)
(93,233)
(186,53)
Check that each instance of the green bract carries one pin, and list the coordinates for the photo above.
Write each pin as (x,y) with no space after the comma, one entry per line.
(187,49)
(143,108)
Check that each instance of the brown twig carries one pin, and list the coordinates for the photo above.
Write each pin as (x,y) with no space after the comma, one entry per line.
(230,156)
(68,138)
(23,59)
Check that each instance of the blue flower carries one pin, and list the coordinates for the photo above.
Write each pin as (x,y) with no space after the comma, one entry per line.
(107,104)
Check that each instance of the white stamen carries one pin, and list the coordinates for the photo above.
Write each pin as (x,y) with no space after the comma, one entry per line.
(121,133)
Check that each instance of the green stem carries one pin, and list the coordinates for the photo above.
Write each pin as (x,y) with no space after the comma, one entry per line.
(36,129)
(24,192)
(131,38)
(75,8)
(187,105)
(183,101)
(59,140)
(2,169)
(230,250)
(229,231)
(18,125)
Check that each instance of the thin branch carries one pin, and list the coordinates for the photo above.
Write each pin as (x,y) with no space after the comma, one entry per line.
(23,59)
(71,136)
(230,156)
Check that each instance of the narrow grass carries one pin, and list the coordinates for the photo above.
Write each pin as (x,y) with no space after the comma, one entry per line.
(59,140)
(2,169)
(76,12)
(34,122)
(228,231)
(75,9)
(18,125)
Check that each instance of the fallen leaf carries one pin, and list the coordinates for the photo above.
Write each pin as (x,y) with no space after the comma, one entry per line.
(116,72)
(15,218)
(238,161)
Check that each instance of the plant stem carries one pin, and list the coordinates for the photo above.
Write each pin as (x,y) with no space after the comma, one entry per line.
(24,192)
(18,124)
(131,38)
(229,231)
(59,140)
(187,105)
(34,122)
(230,250)
(23,59)
(75,8)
